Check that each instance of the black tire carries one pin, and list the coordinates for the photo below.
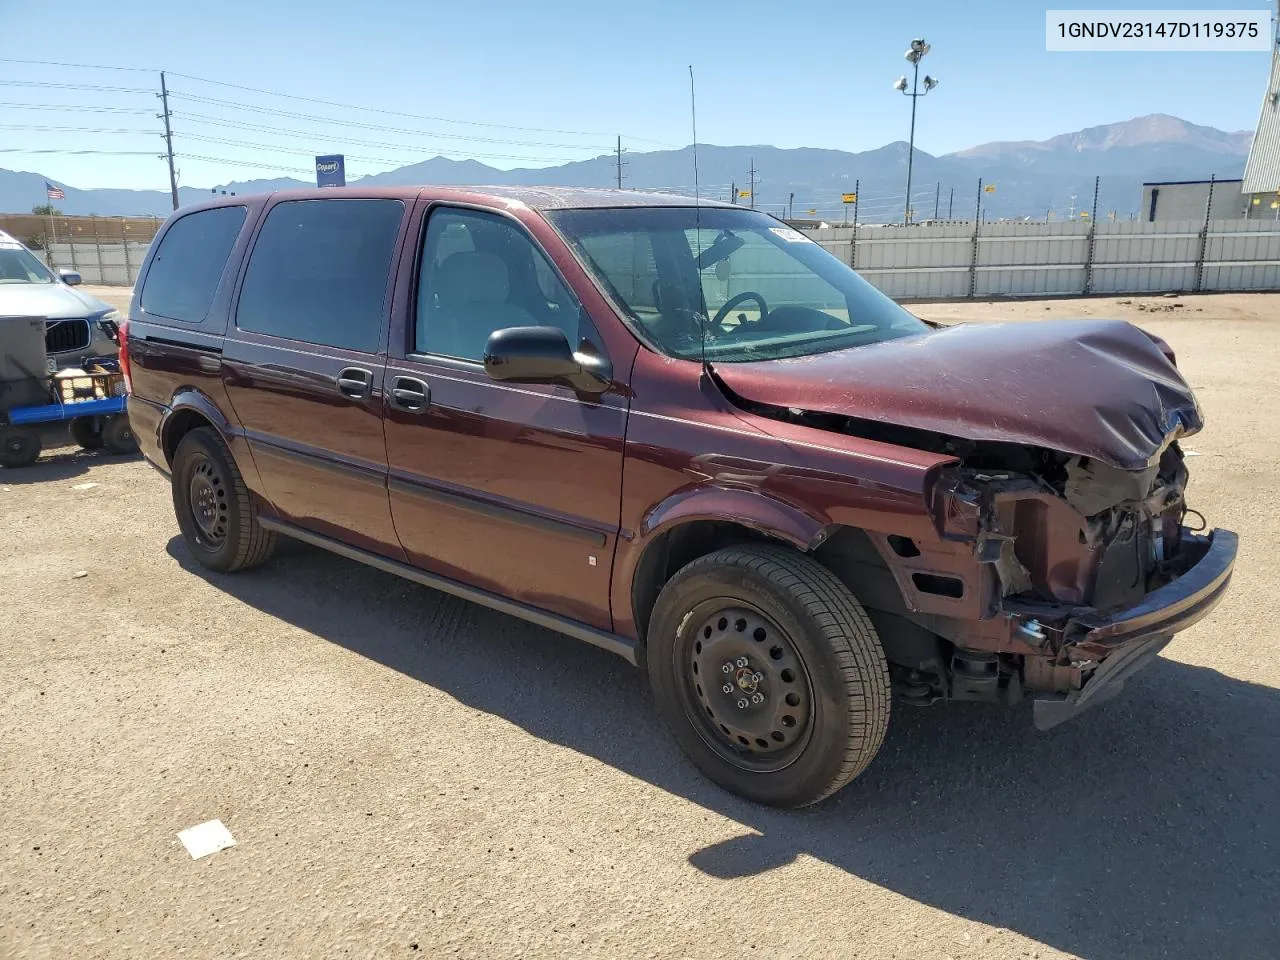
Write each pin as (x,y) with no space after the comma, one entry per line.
(117,435)
(85,433)
(19,446)
(221,525)
(806,642)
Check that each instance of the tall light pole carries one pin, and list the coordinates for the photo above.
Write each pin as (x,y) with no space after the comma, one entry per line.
(918,49)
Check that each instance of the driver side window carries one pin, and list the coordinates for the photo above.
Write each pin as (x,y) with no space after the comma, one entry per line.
(480,272)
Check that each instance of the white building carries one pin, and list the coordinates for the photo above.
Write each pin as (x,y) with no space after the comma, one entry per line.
(1262,172)
(1186,199)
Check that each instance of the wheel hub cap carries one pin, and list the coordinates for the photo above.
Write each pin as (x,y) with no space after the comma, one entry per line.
(747,685)
(208,500)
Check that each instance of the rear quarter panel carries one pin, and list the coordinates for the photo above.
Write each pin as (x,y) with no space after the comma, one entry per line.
(176,366)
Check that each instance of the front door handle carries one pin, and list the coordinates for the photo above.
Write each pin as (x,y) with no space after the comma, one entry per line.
(410,393)
(354,382)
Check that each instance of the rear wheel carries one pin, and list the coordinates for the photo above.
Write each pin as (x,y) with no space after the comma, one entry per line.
(213,507)
(19,446)
(117,435)
(85,433)
(769,674)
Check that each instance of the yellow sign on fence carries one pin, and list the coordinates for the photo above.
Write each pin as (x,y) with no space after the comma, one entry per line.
(989,188)
(848,198)
(743,194)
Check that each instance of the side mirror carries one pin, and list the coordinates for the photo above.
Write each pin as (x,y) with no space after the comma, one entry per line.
(543,355)
(69,277)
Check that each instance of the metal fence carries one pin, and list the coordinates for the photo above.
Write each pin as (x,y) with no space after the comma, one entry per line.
(963,259)
(936,261)
(105,250)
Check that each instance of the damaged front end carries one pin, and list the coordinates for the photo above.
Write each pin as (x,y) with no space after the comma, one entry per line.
(1092,567)
(1063,556)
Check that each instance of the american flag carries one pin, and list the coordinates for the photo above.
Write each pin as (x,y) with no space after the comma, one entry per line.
(54,193)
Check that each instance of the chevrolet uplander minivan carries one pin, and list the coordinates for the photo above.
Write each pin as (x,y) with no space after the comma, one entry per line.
(687,434)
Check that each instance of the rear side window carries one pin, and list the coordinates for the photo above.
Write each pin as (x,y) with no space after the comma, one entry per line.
(189,262)
(319,272)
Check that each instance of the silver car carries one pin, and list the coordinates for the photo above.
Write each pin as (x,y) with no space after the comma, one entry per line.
(76,325)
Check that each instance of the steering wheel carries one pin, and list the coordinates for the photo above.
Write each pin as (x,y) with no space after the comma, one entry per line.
(735,301)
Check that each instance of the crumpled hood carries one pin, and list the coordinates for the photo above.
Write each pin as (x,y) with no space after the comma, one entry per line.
(54,301)
(1099,389)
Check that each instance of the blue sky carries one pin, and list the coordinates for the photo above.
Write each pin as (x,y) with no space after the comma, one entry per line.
(815,73)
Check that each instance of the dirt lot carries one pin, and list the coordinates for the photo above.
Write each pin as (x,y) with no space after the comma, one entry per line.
(406,774)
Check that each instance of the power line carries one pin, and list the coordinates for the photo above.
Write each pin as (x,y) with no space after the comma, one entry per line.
(392,113)
(49,129)
(74,108)
(77,153)
(288,96)
(408,131)
(366,126)
(76,66)
(49,85)
(244,163)
(311,152)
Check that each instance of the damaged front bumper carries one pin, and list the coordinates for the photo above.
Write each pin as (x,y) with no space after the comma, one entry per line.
(1124,641)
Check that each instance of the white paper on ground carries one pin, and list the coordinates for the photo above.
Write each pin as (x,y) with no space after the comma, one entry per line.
(84,486)
(206,838)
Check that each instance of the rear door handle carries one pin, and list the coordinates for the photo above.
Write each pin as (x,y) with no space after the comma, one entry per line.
(410,393)
(354,382)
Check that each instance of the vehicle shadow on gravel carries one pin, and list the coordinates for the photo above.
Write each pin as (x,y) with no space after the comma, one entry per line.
(64,464)
(1148,827)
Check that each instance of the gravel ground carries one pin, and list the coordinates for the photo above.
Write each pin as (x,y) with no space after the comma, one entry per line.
(407,774)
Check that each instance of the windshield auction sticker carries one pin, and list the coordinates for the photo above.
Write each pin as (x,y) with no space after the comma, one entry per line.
(789,235)
(1157,30)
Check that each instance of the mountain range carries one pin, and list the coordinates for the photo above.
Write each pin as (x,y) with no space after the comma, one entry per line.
(1030,177)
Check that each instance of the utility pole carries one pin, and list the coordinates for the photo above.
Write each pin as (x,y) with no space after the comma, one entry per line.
(168,142)
(937,199)
(753,183)
(791,206)
(733,193)
(619,161)
(951,204)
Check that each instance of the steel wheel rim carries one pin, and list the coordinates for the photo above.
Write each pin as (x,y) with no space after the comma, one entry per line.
(207,499)
(757,714)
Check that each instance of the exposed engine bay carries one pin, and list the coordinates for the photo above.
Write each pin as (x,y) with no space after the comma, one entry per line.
(1054,536)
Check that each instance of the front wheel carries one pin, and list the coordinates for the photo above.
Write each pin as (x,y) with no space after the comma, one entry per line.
(769,674)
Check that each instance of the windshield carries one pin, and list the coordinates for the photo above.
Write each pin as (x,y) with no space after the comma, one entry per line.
(753,287)
(17,265)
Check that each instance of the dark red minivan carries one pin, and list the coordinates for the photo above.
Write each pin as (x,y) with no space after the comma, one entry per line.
(683,432)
